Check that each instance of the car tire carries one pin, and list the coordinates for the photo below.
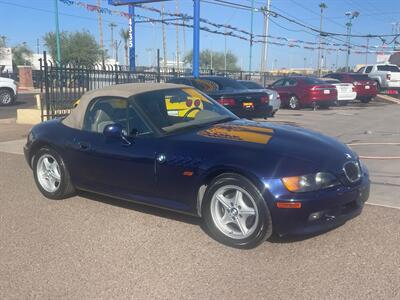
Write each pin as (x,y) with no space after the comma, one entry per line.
(365,100)
(378,87)
(51,175)
(6,97)
(294,102)
(235,213)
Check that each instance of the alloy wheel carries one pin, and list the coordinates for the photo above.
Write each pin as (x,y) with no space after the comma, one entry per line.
(234,212)
(5,97)
(48,173)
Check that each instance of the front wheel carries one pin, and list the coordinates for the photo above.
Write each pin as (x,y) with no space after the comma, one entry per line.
(51,175)
(235,213)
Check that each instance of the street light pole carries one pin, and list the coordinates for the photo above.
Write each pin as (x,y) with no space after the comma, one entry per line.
(58,61)
(251,34)
(264,53)
(349,24)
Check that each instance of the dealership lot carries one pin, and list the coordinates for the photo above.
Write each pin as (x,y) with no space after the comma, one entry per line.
(94,247)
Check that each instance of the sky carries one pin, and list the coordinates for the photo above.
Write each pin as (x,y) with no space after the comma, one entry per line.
(28,20)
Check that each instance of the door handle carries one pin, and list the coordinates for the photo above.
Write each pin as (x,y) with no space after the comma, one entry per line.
(84,146)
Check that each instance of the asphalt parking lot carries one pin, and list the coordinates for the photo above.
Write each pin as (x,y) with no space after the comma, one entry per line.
(95,247)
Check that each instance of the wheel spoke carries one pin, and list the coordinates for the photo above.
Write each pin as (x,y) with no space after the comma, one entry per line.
(247,212)
(47,164)
(242,225)
(224,201)
(238,198)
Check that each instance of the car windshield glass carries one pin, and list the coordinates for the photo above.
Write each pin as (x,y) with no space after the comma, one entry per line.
(359,77)
(227,83)
(390,68)
(251,85)
(313,81)
(177,109)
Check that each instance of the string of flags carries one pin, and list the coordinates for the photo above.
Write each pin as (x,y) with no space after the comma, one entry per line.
(233,31)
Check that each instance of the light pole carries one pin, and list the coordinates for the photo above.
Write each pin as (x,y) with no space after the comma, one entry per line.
(264,51)
(322,6)
(57,32)
(251,34)
(351,15)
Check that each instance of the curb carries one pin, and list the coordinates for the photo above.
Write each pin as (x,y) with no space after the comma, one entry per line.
(388,99)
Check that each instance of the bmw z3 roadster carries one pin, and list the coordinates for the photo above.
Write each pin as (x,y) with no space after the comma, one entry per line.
(173,147)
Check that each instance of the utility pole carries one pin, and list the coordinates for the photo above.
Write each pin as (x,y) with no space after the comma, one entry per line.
(177,35)
(58,61)
(351,15)
(100,20)
(164,38)
(225,51)
(251,35)
(112,26)
(100,24)
(264,49)
(366,52)
(322,6)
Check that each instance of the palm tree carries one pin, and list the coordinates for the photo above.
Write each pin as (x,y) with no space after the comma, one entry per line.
(125,36)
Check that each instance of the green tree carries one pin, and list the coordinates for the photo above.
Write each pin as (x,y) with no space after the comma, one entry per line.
(215,60)
(21,55)
(124,33)
(79,48)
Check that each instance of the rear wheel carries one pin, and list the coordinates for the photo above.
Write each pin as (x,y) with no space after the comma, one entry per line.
(51,175)
(366,100)
(235,212)
(6,97)
(294,102)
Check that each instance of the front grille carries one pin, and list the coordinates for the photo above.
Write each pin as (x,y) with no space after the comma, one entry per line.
(352,171)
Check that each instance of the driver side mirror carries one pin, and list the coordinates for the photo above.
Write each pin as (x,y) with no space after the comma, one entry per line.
(116,131)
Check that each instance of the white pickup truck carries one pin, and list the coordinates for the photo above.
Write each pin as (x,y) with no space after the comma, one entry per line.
(8,91)
(387,76)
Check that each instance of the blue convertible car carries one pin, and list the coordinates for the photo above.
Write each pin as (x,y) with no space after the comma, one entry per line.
(173,147)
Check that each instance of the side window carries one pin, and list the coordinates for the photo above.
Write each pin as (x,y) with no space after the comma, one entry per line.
(368,69)
(291,82)
(361,70)
(278,83)
(105,111)
(136,125)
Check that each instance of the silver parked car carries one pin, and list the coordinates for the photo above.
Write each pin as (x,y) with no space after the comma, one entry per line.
(274,98)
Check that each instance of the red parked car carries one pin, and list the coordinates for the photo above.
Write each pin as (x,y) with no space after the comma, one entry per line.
(301,91)
(365,87)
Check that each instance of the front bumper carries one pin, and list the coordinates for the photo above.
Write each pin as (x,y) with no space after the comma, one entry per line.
(335,206)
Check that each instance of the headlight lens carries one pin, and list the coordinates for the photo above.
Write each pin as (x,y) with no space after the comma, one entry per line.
(310,182)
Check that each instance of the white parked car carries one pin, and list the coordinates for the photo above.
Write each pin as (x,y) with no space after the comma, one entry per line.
(345,91)
(8,91)
(274,98)
(387,76)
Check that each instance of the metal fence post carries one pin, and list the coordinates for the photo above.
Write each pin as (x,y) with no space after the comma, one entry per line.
(46,86)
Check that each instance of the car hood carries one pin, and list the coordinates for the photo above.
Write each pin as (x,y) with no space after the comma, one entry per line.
(272,141)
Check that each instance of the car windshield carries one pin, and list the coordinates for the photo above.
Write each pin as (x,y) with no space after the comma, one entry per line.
(311,81)
(176,109)
(390,68)
(251,85)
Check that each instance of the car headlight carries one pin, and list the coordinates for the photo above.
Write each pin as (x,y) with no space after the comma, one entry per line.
(310,182)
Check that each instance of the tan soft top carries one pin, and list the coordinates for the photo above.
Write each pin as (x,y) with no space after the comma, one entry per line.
(75,118)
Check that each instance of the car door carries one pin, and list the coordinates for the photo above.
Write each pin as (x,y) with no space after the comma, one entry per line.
(282,91)
(119,167)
